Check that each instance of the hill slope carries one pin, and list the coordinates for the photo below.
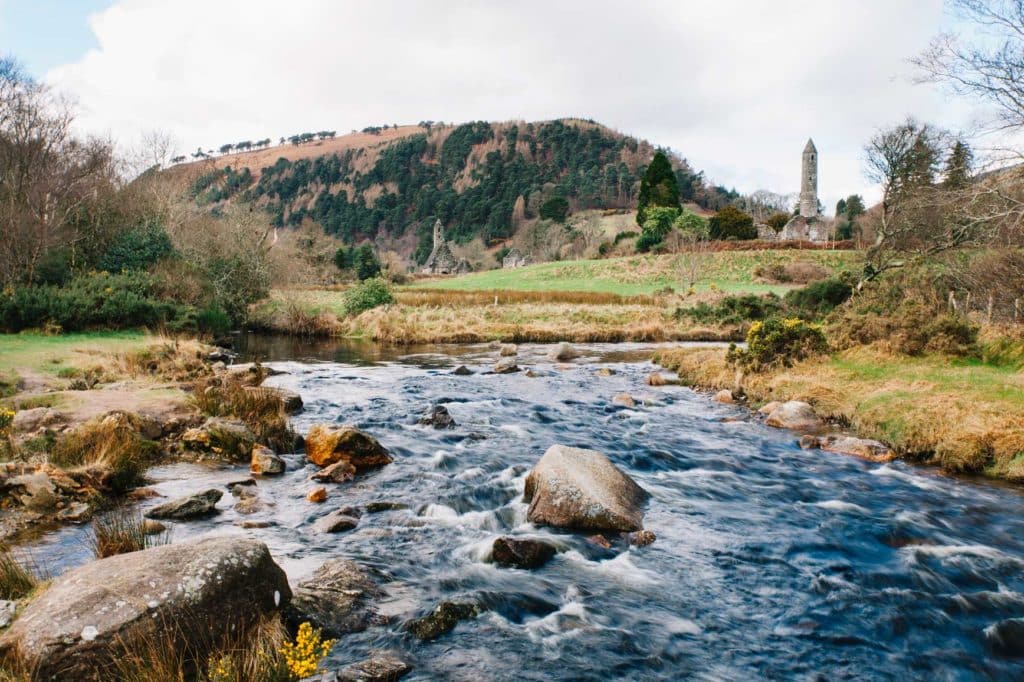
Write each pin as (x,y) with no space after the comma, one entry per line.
(480,179)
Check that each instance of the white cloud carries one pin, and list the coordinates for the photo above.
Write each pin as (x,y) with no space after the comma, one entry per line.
(736,87)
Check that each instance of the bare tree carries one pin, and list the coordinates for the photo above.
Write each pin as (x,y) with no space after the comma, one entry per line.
(991,67)
(51,184)
(694,253)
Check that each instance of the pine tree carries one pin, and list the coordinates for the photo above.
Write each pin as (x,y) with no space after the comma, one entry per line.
(957,173)
(659,187)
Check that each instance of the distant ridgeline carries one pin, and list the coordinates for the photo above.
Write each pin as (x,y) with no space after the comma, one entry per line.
(479,179)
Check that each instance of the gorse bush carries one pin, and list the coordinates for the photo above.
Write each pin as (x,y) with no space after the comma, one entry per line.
(733,309)
(732,223)
(819,298)
(137,249)
(366,295)
(778,341)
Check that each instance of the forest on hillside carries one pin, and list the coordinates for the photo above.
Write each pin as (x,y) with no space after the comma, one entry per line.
(480,179)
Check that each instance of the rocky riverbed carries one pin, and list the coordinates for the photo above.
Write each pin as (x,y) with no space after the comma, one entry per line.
(737,554)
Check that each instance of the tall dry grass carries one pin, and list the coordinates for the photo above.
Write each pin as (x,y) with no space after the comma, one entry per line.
(112,444)
(261,409)
(17,578)
(443,297)
(122,531)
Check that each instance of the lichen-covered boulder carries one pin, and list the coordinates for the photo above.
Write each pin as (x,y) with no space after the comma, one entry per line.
(577,488)
(190,594)
(381,666)
(326,445)
(796,415)
(339,597)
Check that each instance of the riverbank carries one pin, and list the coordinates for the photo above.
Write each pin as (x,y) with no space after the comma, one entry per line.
(966,416)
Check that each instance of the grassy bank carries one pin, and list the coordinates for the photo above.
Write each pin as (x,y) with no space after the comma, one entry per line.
(726,271)
(965,415)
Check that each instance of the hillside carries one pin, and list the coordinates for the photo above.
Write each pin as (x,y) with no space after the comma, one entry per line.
(480,179)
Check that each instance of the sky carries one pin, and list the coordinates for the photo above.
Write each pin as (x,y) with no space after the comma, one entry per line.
(734,86)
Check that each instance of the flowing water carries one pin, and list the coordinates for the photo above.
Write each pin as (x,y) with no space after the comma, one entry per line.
(770,562)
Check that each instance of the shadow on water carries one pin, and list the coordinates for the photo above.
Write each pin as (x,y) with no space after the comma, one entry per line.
(771,561)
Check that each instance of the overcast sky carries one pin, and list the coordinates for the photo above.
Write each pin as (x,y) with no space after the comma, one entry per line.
(736,87)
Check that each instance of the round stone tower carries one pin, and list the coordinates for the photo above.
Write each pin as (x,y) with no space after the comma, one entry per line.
(809,182)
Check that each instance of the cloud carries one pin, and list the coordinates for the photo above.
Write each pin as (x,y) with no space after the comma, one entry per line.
(736,87)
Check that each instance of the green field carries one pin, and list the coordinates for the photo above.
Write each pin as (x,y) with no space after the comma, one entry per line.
(727,271)
(49,353)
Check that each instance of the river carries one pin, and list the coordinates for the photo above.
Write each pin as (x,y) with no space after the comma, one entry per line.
(770,562)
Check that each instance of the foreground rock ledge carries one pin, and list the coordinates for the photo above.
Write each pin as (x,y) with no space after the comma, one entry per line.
(193,592)
(577,488)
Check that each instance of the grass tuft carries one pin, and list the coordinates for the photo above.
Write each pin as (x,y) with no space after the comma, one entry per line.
(16,579)
(261,409)
(122,531)
(112,443)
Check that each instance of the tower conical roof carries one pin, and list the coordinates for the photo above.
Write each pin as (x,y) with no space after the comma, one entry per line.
(810,146)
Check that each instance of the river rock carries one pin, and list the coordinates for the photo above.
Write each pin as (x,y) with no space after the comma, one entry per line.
(339,472)
(442,619)
(264,462)
(439,418)
(725,396)
(521,552)
(462,371)
(26,421)
(795,415)
(189,507)
(1006,637)
(605,372)
(656,379)
(381,666)
(864,448)
(326,445)
(34,490)
(508,350)
(769,407)
(563,352)
(229,438)
(623,400)
(193,593)
(317,495)
(337,521)
(339,597)
(76,512)
(506,366)
(291,402)
(576,488)
(7,611)
(375,507)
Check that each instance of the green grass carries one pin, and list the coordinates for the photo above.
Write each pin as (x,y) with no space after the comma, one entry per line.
(727,271)
(54,354)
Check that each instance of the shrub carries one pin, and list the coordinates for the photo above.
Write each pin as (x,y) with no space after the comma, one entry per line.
(733,309)
(658,224)
(778,341)
(303,656)
(819,298)
(690,222)
(365,262)
(366,295)
(777,221)
(732,223)
(137,249)
(628,234)
(121,532)
(798,272)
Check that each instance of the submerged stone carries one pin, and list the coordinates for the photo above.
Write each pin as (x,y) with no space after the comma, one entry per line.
(381,666)
(462,371)
(521,552)
(442,619)
(439,418)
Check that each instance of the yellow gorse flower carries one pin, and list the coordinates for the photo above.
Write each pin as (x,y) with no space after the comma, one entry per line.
(303,656)
(6,419)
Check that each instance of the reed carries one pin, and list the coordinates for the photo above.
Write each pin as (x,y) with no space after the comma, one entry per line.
(16,579)
(123,531)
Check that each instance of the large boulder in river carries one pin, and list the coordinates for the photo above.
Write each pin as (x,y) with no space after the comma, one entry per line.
(190,594)
(326,445)
(795,415)
(521,552)
(576,488)
(264,462)
(563,352)
(339,597)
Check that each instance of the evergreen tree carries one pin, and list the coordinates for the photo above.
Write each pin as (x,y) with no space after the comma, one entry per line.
(854,207)
(364,260)
(957,173)
(659,187)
